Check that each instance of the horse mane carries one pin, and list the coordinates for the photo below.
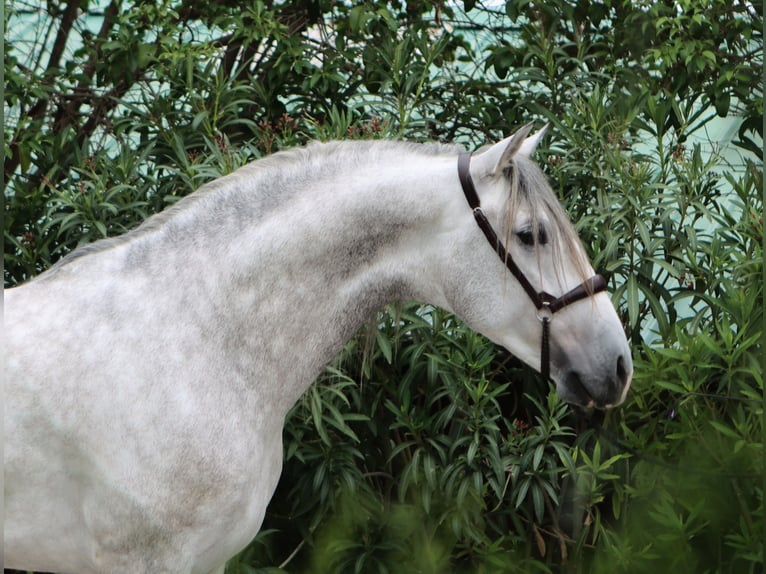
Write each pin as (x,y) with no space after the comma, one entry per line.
(266,177)
(268,183)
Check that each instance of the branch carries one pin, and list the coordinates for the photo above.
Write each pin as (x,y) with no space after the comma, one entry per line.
(292,555)
(66,114)
(37,111)
(102,106)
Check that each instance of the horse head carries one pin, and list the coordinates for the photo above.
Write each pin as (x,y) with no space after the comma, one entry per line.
(550,310)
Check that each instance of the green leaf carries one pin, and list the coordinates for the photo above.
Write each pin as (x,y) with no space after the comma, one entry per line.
(472,450)
(657,310)
(538,503)
(316,414)
(725,430)
(199,118)
(384,344)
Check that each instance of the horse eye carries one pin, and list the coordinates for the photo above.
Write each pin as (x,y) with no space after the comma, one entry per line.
(527,237)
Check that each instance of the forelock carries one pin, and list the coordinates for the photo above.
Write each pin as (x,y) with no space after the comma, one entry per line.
(529,188)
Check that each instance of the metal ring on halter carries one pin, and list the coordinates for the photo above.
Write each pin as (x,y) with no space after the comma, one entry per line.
(545,313)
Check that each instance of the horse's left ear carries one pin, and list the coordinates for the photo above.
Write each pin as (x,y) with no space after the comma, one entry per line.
(496,158)
(530,144)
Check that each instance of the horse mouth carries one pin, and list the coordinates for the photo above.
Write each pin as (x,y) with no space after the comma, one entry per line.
(598,393)
(577,392)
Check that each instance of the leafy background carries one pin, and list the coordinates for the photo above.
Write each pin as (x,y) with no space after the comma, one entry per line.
(423,447)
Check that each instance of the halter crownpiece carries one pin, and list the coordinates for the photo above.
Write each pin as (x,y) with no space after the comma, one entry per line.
(545,303)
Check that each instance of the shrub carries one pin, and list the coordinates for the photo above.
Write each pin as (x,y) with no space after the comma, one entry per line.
(424,447)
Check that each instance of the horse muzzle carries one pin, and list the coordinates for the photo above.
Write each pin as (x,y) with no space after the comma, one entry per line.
(599,390)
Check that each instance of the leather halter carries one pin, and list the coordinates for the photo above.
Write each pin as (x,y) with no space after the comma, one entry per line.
(545,303)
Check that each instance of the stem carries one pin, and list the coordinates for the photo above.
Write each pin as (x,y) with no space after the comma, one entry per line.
(292,554)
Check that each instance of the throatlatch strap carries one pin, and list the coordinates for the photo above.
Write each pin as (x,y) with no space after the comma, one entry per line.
(463,164)
(464,173)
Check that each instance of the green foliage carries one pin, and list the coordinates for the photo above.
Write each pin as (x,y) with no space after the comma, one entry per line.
(424,448)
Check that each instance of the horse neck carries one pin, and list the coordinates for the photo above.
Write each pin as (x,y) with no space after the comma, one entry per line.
(288,292)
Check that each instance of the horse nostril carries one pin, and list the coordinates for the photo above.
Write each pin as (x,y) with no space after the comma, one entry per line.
(619,386)
(622,372)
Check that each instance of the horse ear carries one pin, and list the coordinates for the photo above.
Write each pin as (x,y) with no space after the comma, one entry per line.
(496,158)
(530,144)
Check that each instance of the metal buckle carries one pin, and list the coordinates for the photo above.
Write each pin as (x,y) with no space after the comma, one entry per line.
(544,313)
